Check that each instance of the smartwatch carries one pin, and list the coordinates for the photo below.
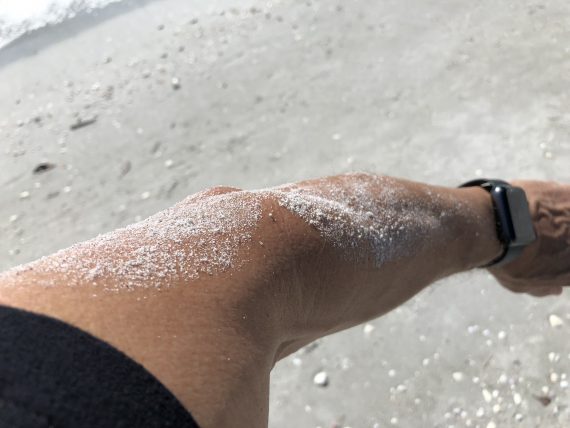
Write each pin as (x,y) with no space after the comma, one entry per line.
(512,215)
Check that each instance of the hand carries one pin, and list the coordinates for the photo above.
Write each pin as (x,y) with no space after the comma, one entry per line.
(544,267)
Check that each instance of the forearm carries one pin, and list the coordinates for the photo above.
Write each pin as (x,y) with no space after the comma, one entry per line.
(226,283)
(377,242)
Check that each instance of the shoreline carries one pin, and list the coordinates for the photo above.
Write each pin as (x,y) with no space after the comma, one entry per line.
(32,41)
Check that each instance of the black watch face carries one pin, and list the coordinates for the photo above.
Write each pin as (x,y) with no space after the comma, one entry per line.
(520,216)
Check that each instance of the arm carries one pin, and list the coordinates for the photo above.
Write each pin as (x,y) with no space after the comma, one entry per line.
(210,293)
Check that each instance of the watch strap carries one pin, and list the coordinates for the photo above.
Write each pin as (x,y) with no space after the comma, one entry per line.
(506,231)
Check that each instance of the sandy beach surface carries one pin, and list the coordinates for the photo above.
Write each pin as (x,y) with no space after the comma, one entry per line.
(112,116)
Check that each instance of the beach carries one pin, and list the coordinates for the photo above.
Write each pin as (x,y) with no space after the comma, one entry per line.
(114,115)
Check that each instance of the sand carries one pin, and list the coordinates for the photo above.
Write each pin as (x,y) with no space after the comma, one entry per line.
(177,96)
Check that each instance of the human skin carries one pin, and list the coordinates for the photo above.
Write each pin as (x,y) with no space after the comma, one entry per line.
(212,339)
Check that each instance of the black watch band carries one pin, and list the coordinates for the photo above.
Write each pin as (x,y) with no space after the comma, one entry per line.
(512,215)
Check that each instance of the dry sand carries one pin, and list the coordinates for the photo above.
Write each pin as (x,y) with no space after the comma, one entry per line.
(134,108)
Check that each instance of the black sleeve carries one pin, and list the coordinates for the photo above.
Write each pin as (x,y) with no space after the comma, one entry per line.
(57,376)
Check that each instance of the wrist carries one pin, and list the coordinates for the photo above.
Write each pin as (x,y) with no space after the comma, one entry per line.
(479,241)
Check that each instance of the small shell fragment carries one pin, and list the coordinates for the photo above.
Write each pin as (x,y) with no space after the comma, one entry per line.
(555,321)
(457,376)
(321,379)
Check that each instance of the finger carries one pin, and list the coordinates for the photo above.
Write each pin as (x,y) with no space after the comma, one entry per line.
(557,291)
(526,284)
(537,293)
(546,291)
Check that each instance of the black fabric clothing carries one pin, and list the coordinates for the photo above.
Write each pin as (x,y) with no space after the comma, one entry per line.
(53,375)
